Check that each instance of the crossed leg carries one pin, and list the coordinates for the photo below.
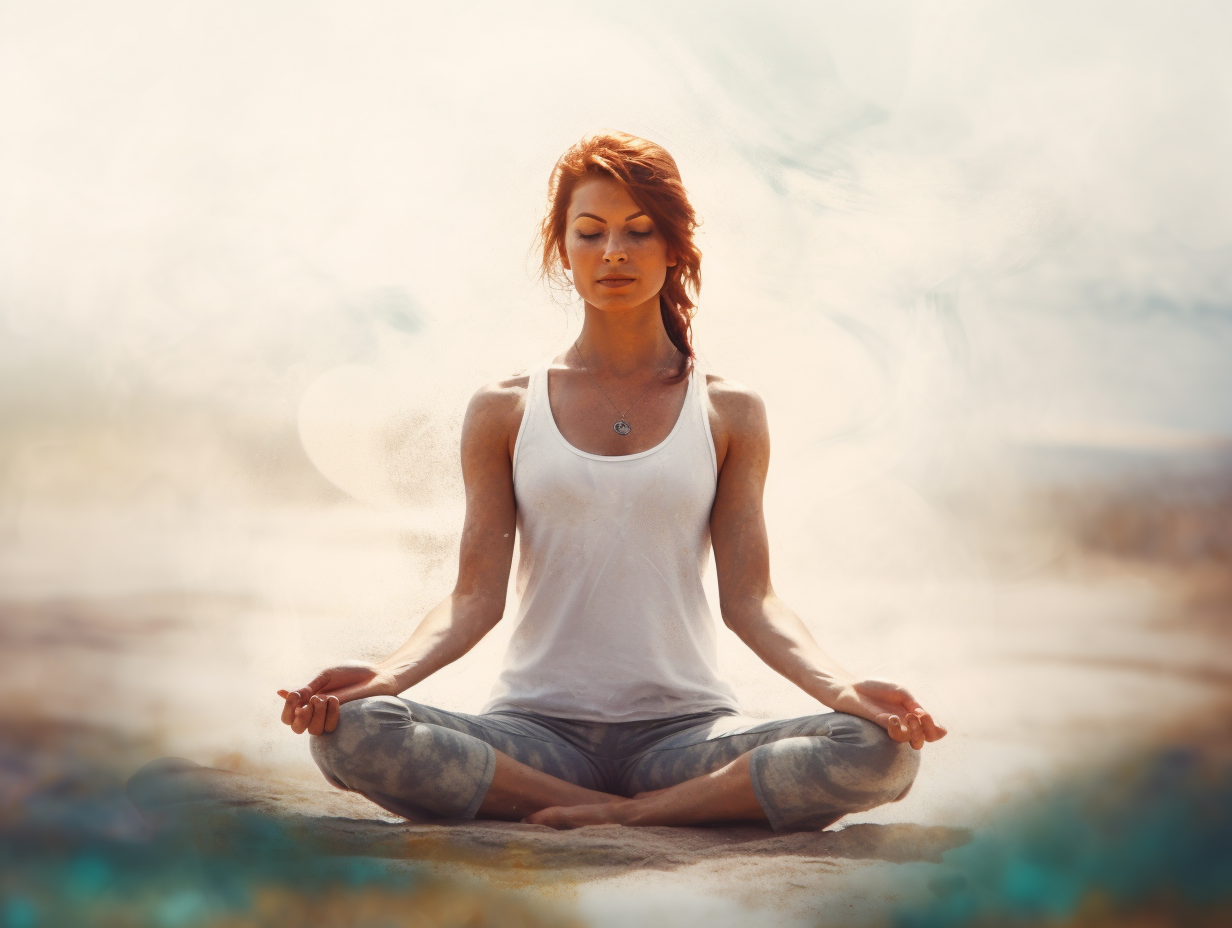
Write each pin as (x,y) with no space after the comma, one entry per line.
(796,773)
(726,795)
(517,791)
(418,761)
(803,773)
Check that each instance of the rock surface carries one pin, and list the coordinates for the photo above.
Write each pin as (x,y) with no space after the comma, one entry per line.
(174,792)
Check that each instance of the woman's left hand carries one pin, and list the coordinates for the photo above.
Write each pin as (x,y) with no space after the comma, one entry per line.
(891,707)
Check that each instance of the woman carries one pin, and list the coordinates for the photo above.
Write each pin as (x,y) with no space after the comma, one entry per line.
(619,464)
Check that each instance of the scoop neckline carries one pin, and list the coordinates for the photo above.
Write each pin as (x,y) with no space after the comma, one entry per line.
(547,402)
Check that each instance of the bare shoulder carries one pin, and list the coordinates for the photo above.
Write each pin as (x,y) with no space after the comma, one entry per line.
(737,417)
(500,396)
(495,410)
(739,407)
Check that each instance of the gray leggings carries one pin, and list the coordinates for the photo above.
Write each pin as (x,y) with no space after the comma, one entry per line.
(414,760)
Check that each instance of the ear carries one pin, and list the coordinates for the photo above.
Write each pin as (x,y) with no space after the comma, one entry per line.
(671,258)
(564,257)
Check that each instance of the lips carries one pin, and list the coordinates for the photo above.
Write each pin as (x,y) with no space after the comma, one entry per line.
(615,281)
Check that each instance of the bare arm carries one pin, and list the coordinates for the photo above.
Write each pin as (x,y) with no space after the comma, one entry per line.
(747,600)
(462,618)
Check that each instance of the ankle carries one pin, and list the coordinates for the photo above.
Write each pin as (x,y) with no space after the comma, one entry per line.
(632,811)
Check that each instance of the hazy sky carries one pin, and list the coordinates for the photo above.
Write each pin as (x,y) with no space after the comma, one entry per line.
(1013,219)
(255,255)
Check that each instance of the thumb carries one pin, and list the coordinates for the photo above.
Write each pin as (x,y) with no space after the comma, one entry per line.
(315,685)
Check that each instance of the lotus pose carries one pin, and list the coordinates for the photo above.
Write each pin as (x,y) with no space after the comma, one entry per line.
(619,464)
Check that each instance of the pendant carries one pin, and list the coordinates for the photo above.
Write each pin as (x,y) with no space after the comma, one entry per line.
(621,427)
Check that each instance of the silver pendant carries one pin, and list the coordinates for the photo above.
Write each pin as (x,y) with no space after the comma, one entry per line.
(621,427)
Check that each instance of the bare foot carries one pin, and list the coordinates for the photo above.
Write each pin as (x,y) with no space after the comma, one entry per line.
(607,813)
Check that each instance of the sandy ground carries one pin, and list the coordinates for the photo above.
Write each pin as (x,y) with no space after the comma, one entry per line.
(1047,672)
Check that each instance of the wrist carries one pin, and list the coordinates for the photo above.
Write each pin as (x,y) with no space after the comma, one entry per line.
(402,676)
(827,688)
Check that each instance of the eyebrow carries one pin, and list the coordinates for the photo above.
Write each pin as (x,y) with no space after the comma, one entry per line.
(604,221)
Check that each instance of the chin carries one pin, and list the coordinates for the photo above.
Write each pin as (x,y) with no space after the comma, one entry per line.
(618,302)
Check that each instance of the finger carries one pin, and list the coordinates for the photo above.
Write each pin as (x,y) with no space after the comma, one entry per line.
(932,731)
(320,716)
(300,719)
(316,684)
(306,717)
(308,690)
(316,724)
(332,711)
(289,707)
(897,730)
(915,730)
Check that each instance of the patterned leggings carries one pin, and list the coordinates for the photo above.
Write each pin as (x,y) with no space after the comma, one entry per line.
(414,760)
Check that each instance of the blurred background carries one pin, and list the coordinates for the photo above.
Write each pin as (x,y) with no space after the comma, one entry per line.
(255,258)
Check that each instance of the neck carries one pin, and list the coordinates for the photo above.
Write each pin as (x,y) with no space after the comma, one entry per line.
(621,344)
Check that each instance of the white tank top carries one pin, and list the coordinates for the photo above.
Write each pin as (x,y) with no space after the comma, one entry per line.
(613,623)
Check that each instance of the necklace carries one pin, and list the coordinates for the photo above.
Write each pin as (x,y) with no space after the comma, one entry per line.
(620,426)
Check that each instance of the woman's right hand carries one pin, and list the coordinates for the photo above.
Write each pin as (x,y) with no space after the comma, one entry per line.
(314,708)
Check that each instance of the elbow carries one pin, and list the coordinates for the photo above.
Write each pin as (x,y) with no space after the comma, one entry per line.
(479,609)
(733,619)
(745,613)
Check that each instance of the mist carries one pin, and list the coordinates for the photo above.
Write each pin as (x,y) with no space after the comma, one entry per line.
(977,259)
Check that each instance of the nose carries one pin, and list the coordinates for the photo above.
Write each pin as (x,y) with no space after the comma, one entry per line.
(614,253)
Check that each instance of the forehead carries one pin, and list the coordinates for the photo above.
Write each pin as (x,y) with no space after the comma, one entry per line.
(602,196)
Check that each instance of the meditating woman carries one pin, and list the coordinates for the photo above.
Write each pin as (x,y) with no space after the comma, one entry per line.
(619,464)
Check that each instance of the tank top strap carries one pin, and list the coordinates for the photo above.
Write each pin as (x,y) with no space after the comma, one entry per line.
(536,408)
(703,414)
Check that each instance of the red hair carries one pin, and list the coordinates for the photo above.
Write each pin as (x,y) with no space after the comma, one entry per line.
(652,179)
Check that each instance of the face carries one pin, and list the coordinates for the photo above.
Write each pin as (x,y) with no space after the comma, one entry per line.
(618,258)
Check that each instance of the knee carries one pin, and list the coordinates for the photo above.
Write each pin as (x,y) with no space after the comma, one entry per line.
(883,764)
(833,765)
(357,734)
(850,761)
